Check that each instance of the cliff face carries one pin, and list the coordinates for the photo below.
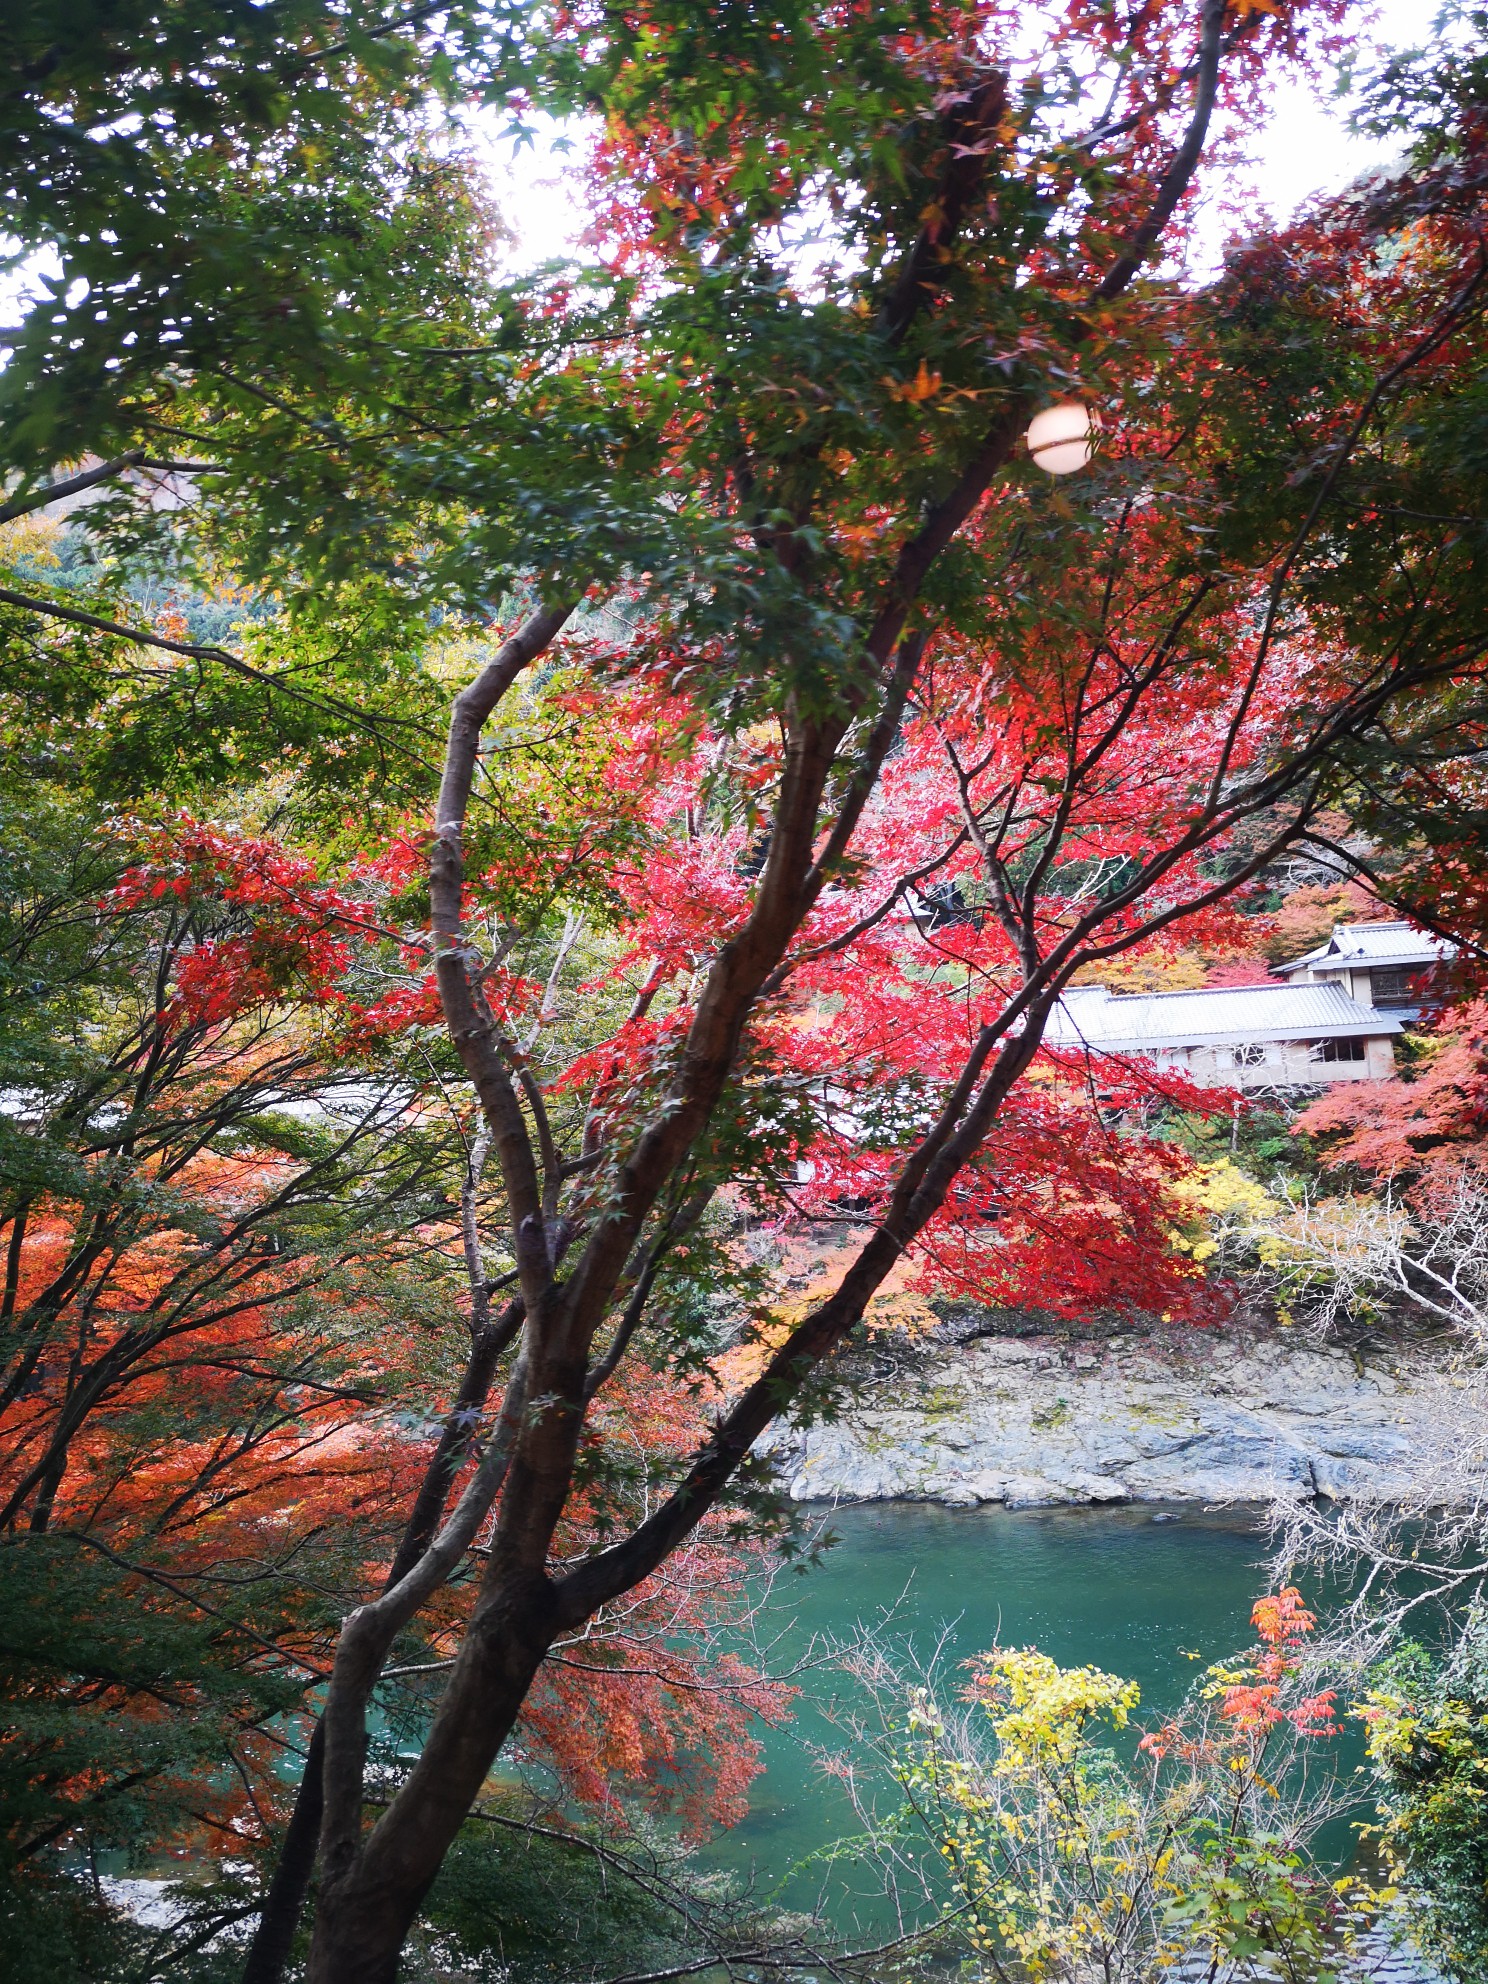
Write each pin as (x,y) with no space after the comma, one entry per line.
(1035,1421)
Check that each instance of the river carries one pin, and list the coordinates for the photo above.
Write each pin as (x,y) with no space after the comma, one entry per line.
(1136,1590)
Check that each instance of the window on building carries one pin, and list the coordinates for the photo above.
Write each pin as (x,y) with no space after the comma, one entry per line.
(1251,1055)
(1391,986)
(1338,1050)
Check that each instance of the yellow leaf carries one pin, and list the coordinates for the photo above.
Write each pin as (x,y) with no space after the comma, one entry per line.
(923,386)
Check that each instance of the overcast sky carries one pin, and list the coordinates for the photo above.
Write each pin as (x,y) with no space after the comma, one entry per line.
(1304,149)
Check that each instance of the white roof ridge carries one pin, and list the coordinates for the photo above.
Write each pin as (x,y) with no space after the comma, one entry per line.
(1189,991)
(1361,942)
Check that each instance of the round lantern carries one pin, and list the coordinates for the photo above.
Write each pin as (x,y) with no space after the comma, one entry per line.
(1062,438)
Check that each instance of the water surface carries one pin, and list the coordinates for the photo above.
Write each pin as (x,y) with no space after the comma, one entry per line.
(1122,1589)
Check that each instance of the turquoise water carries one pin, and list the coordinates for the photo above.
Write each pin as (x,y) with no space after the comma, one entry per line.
(1113,1588)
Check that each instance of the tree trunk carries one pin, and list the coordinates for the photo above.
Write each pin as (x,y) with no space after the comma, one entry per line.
(284,1903)
(273,1938)
(369,1898)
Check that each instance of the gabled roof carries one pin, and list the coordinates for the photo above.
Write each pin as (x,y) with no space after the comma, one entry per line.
(1374,944)
(1146,1022)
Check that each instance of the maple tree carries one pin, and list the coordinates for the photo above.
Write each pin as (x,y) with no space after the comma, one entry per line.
(204,1226)
(233,1289)
(1306,917)
(1423,1130)
(886,738)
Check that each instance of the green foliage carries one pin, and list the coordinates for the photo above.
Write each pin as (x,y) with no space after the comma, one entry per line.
(53,1931)
(207,178)
(1405,94)
(1252,1898)
(118,1693)
(1428,1742)
(548,1911)
(338,710)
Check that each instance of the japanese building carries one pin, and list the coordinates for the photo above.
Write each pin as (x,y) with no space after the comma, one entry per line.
(1333,1018)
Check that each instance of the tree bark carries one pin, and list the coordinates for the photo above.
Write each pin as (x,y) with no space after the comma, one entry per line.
(268,1953)
(367,1909)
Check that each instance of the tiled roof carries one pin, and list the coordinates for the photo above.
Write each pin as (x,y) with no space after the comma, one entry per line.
(1375,943)
(1140,1023)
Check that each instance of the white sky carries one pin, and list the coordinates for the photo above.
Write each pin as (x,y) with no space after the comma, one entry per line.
(1303,150)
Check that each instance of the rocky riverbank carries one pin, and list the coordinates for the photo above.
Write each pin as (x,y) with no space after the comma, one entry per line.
(1034,1421)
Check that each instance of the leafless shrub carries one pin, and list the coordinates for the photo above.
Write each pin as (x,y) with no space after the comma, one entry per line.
(1428,1550)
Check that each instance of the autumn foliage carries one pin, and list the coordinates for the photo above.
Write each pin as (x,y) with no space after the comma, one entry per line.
(661,753)
(1064,1845)
(1421,1131)
(232,1280)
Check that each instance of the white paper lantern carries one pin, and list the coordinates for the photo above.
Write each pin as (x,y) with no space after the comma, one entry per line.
(1062,438)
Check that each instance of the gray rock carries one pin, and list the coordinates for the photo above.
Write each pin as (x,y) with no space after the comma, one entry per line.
(1099,1488)
(1383,1443)
(1024,1422)
(1032,1491)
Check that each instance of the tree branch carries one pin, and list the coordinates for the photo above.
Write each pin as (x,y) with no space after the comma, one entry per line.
(475,1037)
(1175,180)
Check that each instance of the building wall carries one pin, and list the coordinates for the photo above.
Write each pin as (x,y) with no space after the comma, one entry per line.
(1287,1063)
(1381,1061)
(1359,985)
(1359,981)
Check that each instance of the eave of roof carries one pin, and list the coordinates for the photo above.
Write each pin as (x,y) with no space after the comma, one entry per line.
(1156,1043)
(1154,1022)
(1360,950)
(1384,961)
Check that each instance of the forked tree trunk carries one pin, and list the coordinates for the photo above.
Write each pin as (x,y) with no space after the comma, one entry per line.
(368,1903)
(372,1887)
(273,1939)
